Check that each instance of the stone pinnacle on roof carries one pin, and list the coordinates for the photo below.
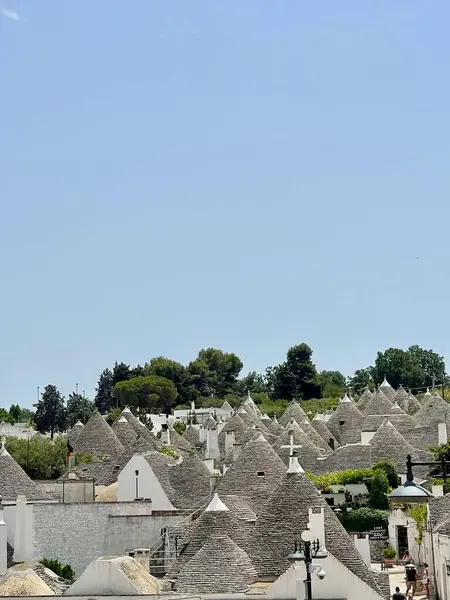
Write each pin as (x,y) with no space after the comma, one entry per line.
(97,438)
(216,504)
(294,465)
(293,411)
(388,390)
(345,399)
(73,434)
(125,432)
(226,406)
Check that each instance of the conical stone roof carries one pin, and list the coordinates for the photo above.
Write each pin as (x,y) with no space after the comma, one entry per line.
(379,404)
(132,420)
(192,435)
(273,426)
(226,406)
(350,456)
(98,439)
(322,429)
(396,410)
(220,567)
(250,406)
(412,405)
(215,520)
(190,478)
(388,390)
(254,474)
(210,423)
(388,443)
(433,410)
(283,520)
(73,434)
(307,453)
(124,431)
(345,423)
(14,481)
(293,411)
(179,443)
(401,395)
(364,399)
(235,424)
(314,437)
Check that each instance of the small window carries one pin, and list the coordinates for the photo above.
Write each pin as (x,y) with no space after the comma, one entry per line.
(341,423)
(136,473)
(261,474)
(329,501)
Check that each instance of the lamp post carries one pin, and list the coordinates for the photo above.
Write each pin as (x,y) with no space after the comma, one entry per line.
(411,493)
(306,551)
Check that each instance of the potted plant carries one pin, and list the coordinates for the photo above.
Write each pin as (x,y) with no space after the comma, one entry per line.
(388,555)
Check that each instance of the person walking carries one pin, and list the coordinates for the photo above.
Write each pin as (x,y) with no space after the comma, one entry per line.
(426,580)
(398,595)
(411,579)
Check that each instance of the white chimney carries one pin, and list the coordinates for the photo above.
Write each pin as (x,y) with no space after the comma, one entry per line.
(229,441)
(317,525)
(442,433)
(212,444)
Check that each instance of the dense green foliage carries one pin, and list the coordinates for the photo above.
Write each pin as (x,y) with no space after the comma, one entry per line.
(42,458)
(51,415)
(64,571)
(149,393)
(378,486)
(347,477)
(388,553)
(180,427)
(364,519)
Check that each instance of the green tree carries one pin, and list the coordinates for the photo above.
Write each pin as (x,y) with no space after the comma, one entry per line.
(104,400)
(179,427)
(420,514)
(113,415)
(297,377)
(148,394)
(15,413)
(361,380)
(214,372)
(332,383)
(79,408)
(51,412)
(378,489)
(253,382)
(171,370)
(391,472)
(5,416)
(121,372)
(411,368)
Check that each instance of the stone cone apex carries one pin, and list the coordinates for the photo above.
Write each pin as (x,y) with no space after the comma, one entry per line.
(379,404)
(75,432)
(388,390)
(210,423)
(365,397)
(226,406)
(345,399)
(254,474)
(293,411)
(220,567)
(3,450)
(124,431)
(216,505)
(97,438)
(284,518)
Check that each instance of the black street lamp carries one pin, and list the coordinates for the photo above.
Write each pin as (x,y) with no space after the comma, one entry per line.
(306,551)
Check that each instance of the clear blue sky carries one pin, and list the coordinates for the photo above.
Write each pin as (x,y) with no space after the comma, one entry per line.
(240,174)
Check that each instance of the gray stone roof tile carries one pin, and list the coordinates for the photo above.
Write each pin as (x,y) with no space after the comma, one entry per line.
(219,567)
(293,411)
(379,404)
(345,423)
(14,481)
(364,399)
(254,474)
(97,438)
(125,432)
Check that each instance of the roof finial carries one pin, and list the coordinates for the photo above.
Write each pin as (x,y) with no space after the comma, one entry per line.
(3,446)
(294,465)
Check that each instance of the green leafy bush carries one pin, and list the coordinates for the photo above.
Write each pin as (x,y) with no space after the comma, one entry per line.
(323,482)
(64,571)
(388,553)
(391,472)
(180,427)
(362,520)
(168,452)
(378,487)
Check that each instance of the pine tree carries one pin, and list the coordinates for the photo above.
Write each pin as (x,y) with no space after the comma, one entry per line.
(51,415)
(104,401)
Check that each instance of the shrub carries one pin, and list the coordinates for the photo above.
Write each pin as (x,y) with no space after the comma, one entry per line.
(362,520)
(168,452)
(64,571)
(391,472)
(179,427)
(378,489)
(346,477)
(388,553)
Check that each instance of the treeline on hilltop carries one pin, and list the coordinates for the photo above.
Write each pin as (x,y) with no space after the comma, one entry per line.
(215,376)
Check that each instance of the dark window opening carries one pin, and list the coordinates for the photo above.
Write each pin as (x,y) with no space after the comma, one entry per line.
(261,474)
(329,501)
(341,423)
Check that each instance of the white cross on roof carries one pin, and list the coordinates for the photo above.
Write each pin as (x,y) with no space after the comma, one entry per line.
(291,446)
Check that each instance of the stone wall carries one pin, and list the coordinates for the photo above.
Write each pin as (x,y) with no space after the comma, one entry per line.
(77,534)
